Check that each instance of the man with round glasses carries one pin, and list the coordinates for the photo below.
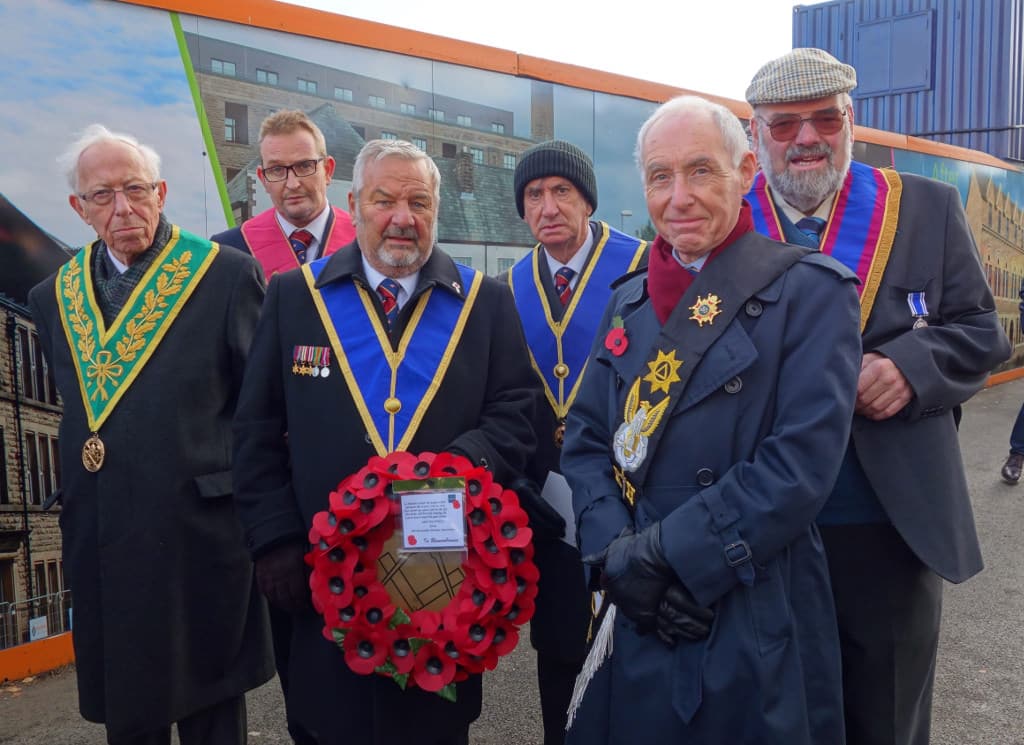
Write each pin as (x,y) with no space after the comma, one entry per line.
(147,331)
(898,519)
(295,170)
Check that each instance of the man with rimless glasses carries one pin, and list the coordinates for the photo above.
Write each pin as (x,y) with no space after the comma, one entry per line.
(295,170)
(898,520)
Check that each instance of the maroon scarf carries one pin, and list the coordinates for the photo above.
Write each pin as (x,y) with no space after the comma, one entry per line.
(667,280)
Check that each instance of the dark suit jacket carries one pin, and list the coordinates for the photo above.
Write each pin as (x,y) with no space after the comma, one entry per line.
(562,618)
(167,617)
(483,408)
(913,459)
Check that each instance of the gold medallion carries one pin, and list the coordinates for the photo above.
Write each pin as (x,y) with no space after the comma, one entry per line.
(560,434)
(93,452)
(705,309)
(392,405)
(561,371)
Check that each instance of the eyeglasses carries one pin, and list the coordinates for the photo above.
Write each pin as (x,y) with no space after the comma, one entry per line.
(301,169)
(134,193)
(786,127)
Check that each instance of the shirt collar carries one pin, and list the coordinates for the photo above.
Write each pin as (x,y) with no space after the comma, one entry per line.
(316,226)
(407,284)
(578,260)
(823,211)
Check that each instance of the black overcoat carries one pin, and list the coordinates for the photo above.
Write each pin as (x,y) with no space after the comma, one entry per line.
(167,620)
(482,408)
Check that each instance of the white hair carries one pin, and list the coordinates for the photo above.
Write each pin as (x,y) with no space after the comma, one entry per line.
(95,134)
(733,134)
(376,150)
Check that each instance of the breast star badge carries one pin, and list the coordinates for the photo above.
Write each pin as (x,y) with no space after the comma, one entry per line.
(664,371)
(705,309)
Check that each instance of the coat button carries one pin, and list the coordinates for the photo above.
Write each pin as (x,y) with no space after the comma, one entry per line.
(734,385)
(367,439)
(754,308)
(705,477)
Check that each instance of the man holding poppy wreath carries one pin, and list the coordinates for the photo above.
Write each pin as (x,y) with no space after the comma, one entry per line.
(561,289)
(384,347)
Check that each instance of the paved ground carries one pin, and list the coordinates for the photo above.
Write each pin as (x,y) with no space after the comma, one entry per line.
(980,681)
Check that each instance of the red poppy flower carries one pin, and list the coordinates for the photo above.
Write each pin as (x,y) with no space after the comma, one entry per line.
(401,654)
(375,608)
(366,650)
(616,341)
(433,669)
(506,636)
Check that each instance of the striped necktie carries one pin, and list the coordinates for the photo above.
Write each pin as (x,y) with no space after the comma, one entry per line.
(388,290)
(562,279)
(300,240)
(811,227)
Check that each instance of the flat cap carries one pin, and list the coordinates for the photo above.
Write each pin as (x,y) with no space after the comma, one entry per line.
(803,74)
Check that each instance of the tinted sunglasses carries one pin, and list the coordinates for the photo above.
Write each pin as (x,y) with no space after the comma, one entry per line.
(785,127)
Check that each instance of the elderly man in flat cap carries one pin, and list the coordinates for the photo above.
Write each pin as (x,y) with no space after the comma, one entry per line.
(561,289)
(898,520)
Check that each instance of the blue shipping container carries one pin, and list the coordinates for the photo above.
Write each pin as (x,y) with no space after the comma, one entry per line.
(948,70)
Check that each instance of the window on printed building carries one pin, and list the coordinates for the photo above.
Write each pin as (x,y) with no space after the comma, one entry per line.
(222,67)
(6,583)
(25,363)
(376,102)
(420,143)
(505,264)
(42,457)
(307,86)
(388,136)
(509,161)
(5,494)
(408,109)
(343,94)
(498,128)
(436,114)
(229,129)
(465,121)
(266,76)
(478,155)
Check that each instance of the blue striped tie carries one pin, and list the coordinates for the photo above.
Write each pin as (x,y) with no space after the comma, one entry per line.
(300,240)
(811,227)
(388,290)
(562,279)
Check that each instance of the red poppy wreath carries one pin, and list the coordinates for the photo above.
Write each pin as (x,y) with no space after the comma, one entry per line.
(429,649)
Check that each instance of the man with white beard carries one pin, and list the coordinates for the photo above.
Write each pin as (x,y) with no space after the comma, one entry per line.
(898,519)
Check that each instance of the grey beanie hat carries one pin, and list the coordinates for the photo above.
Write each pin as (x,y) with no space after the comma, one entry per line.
(556,158)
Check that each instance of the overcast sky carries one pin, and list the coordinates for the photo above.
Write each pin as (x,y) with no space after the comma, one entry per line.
(710,46)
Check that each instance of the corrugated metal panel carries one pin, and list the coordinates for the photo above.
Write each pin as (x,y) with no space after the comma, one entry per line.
(951,70)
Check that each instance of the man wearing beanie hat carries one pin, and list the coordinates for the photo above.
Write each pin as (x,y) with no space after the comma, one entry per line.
(561,289)
(898,519)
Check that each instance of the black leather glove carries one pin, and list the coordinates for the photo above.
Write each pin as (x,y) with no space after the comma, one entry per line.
(544,519)
(635,575)
(680,618)
(282,576)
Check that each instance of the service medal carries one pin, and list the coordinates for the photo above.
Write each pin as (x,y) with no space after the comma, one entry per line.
(705,309)
(93,453)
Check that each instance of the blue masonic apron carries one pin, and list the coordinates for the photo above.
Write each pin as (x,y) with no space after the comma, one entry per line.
(392,388)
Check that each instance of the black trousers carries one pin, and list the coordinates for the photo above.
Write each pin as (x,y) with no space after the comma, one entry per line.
(555,679)
(281,636)
(889,607)
(220,724)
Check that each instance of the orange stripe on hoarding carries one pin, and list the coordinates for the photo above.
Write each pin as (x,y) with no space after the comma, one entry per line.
(37,657)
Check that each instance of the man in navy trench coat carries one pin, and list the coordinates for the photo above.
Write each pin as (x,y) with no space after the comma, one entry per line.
(710,426)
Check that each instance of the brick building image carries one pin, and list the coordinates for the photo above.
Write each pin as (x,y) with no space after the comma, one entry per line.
(33,599)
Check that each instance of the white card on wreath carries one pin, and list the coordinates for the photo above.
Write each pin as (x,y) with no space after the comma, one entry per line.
(433,520)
